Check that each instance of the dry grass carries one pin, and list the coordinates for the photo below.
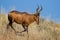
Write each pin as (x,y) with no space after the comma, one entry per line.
(46,30)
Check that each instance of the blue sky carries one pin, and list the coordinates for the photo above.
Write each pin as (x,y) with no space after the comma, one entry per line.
(51,8)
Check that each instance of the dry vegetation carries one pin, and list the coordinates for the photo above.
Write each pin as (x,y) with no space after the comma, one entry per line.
(46,30)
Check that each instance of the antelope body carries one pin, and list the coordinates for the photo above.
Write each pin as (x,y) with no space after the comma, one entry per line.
(23,18)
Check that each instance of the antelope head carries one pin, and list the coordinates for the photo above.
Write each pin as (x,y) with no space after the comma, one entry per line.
(38,10)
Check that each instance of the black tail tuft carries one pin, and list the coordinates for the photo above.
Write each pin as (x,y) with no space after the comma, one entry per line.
(9,18)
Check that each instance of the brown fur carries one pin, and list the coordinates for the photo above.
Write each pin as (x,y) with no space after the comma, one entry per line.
(23,18)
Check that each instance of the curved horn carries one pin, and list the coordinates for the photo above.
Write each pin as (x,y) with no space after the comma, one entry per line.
(39,9)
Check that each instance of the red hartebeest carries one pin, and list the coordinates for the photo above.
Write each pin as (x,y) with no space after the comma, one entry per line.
(23,18)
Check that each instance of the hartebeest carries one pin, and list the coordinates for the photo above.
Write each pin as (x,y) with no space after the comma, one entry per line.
(23,18)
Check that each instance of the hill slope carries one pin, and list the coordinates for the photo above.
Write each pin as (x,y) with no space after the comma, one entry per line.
(46,30)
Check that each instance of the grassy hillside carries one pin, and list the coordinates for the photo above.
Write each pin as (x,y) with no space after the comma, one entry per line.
(46,30)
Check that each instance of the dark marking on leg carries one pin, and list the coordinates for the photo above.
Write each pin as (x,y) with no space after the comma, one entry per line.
(12,27)
(27,30)
(23,25)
